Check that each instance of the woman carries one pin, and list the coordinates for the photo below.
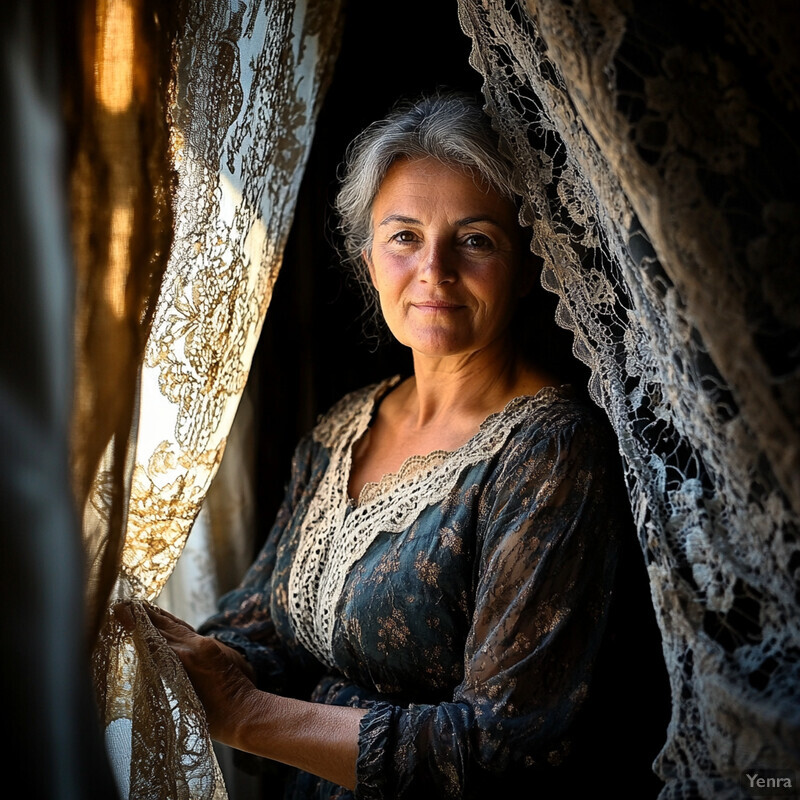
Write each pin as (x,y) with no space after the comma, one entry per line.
(425,615)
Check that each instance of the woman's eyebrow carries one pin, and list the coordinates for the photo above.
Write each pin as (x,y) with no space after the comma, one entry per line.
(399,218)
(459,222)
(479,218)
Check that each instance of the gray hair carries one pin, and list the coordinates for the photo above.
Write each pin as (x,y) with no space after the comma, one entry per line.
(448,126)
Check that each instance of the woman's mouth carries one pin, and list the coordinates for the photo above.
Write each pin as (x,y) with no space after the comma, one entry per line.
(436,305)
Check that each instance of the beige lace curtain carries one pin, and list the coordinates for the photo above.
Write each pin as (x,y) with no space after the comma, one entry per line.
(192,123)
(658,143)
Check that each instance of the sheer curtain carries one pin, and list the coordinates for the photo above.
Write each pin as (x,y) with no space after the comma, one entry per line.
(658,145)
(191,126)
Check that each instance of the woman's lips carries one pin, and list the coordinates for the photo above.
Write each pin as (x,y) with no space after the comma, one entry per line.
(436,305)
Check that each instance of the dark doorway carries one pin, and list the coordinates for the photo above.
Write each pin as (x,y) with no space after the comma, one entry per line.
(312,349)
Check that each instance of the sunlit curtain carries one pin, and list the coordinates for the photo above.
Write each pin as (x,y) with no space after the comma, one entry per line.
(192,122)
(658,144)
(224,534)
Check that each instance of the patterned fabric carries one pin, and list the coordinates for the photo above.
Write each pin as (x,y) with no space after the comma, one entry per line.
(470,610)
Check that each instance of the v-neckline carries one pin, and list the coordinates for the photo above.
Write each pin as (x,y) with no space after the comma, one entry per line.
(415,462)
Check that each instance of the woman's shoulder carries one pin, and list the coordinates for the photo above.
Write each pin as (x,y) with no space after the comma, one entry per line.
(553,405)
(557,435)
(562,412)
(352,411)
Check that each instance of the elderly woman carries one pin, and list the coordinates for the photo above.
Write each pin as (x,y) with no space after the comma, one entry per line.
(425,615)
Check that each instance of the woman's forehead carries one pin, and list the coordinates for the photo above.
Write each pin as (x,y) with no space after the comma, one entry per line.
(429,187)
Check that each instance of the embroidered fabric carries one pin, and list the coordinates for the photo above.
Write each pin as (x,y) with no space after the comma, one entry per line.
(336,531)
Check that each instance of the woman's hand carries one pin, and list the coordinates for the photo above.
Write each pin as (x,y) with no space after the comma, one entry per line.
(220,675)
(314,737)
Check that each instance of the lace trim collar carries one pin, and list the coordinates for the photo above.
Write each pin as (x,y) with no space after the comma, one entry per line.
(336,532)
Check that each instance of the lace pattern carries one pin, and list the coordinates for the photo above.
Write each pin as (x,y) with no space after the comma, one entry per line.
(242,85)
(336,531)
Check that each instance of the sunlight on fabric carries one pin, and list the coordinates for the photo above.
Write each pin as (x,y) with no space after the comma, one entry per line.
(245,85)
(198,343)
(115,22)
(118,257)
(193,379)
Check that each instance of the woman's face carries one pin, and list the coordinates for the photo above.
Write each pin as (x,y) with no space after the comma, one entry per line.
(446,259)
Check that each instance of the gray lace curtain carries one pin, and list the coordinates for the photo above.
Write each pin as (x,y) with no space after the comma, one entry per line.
(658,144)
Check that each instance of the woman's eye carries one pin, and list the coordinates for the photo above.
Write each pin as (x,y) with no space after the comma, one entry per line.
(477,240)
(403,237)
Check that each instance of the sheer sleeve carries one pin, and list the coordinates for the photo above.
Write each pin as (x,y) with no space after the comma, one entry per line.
(245,618)
(544,572)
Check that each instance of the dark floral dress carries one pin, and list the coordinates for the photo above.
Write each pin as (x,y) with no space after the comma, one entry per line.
(462,600)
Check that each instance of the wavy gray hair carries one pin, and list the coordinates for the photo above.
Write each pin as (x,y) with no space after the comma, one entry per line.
(449,126)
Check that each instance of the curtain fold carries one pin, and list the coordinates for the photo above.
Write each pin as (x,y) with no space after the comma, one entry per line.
(191,127)
(48,708)
(657,143)
(121,186)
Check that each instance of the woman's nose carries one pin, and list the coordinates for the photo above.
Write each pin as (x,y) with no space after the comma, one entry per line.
(438,265)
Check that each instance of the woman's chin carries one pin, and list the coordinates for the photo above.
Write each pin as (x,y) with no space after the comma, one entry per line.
(441,347)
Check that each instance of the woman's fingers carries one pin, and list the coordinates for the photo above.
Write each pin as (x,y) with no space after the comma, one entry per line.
(221,676)
(163,619)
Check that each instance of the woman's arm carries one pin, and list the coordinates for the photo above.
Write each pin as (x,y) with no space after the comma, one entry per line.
(318,738)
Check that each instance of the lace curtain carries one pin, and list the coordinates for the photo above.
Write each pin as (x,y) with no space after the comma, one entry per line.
(191,125)
(657,142)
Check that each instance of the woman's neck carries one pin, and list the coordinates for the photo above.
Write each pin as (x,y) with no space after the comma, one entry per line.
(469,386)
(440,408)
